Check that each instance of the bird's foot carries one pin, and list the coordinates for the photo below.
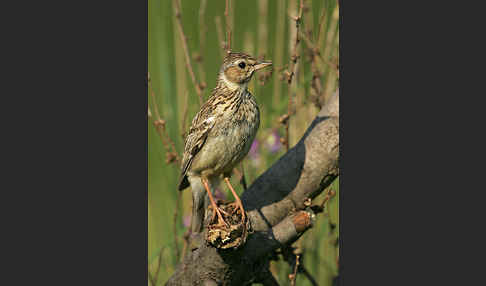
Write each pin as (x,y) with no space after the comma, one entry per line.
(235,206)
(221,222)
(225,212)
(231,231)
(237,203)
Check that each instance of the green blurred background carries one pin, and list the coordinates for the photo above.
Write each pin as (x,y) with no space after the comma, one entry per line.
(263,29)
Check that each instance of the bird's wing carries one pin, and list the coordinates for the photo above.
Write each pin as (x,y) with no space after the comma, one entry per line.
(198,133)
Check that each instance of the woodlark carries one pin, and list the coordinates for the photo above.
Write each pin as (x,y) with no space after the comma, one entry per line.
(220,136)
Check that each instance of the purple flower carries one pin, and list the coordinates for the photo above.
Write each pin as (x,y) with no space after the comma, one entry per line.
(254,154)
(219,195)
(186,220)
(273,144)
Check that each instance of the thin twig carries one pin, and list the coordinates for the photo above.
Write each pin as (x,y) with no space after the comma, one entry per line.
(262,28)
(278,52)
(316,83)
(186,236)
(151,279)
(202,43)
(219,30)
(291,71)
(296,261)
(228,27)
(329,44)
(186,51)
(159,265)
(330,193)
(293,276)
(176,213)
(321,23)
(159,123)
(306,273)
(154,278)
(184,115)
(295,56)
(315,51)
(320,208)
(241,175)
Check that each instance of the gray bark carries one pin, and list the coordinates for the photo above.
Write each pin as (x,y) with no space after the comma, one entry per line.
(275,207)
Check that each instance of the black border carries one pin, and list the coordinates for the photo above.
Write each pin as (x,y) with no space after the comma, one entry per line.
(75,191)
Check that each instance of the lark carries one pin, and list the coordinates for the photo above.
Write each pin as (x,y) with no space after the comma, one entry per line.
(220,136)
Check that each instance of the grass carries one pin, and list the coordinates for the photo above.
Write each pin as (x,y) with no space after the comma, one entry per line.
(259,27)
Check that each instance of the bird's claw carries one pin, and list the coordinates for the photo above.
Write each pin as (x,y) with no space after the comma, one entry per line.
(221,221)
(237,206)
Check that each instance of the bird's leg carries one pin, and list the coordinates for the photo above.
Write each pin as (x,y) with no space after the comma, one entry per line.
(215,207)
(238,201)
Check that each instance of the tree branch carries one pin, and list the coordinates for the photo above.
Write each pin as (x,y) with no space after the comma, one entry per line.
(303,172)
(277,207)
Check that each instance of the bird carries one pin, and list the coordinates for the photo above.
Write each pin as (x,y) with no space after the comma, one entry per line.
(220,136)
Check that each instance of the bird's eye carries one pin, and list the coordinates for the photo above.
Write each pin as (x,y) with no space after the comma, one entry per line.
(242,65)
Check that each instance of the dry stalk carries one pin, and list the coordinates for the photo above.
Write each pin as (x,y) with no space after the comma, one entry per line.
(295,56)
(219,30)
(315,51)
(197,85)
(293,276)
(320,208)
(328,196)
(262,28)
(241,175)
(291,72)
(306,273)
(316,83)
(153,279)
(293,258)
(172,156)
(321,23)
(329,44)
(278,52)
(174,225)
(202,43)
(228,27)
(184,115)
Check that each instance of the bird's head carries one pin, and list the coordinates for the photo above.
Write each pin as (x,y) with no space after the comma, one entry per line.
(238,68)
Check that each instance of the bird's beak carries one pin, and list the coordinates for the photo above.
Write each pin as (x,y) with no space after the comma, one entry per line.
(261,65)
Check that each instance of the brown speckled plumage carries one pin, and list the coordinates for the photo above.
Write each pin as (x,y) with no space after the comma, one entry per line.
(222,131)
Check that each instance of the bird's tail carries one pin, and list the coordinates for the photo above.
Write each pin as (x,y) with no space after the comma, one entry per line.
(200,201)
